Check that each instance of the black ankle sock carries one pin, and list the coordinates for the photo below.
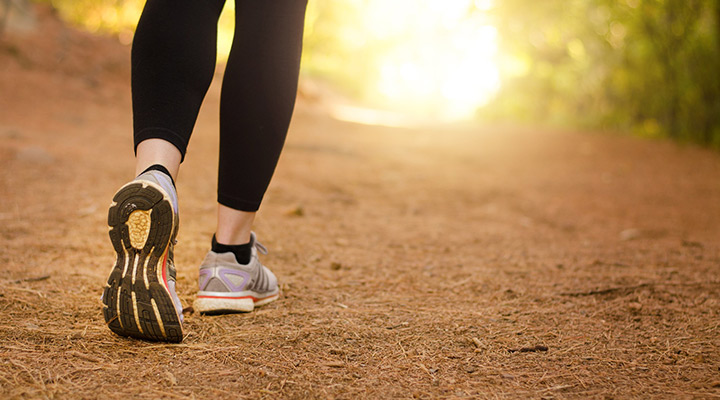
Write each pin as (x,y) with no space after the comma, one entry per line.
(242,252)
(161,168)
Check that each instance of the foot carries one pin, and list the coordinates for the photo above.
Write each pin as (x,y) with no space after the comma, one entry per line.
(227,286)
(139,299)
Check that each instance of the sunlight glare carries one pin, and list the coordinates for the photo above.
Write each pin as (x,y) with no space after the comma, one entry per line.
(429,59)
(443,62)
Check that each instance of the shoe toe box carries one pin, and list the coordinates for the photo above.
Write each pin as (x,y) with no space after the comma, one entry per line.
(271,279)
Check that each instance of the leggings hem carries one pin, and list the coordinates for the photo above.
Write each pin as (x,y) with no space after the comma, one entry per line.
(162,133)
(238,204)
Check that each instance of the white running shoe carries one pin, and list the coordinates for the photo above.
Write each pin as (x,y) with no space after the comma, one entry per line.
(227,286)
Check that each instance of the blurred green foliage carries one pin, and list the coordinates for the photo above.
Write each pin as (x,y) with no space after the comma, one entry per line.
(340,49)
(108,16)
(335,48)
(650,66)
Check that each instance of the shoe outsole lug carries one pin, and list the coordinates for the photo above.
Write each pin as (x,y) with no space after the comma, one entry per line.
(136,303)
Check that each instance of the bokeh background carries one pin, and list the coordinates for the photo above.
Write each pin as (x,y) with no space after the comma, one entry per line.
(648,67)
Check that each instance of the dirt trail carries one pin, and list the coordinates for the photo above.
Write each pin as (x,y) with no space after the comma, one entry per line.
(442,262)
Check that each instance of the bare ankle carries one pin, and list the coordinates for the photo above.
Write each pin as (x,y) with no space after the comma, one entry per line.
(234,226)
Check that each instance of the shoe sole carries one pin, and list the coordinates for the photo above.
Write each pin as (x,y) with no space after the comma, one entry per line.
(137,301)
(231,304)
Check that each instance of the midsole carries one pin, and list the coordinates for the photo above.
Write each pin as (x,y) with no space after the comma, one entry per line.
(236,296)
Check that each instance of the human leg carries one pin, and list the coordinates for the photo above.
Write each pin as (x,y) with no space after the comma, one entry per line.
(172,67)
(157,152)
(173,62)
(258,97)
(233,226)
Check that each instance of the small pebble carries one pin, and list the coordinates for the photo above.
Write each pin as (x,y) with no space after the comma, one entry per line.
(629,234)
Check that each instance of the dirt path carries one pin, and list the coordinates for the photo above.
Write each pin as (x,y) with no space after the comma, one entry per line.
(444,262)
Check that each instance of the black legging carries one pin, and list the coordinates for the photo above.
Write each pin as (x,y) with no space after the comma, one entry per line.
(173,62)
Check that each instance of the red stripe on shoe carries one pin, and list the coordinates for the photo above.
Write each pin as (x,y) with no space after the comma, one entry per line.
(164,271)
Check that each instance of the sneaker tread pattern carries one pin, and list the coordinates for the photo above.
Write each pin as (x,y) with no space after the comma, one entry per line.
(120,305)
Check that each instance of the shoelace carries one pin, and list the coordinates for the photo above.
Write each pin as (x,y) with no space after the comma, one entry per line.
(260,248)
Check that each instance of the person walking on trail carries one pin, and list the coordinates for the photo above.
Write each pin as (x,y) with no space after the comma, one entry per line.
(173,63)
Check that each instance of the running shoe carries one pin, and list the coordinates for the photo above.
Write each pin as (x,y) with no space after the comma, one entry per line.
(139,299)
(226,286)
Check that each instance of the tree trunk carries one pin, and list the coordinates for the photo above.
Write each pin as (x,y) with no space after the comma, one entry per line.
(16,16)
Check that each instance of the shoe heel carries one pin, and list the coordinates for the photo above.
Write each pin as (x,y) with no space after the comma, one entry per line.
(136,300)
(209,305)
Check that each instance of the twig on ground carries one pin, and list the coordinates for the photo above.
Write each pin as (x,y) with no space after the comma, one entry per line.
(631,288)
(33,279)
(24,290)
(529,349)
(335,364)
(83,356)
